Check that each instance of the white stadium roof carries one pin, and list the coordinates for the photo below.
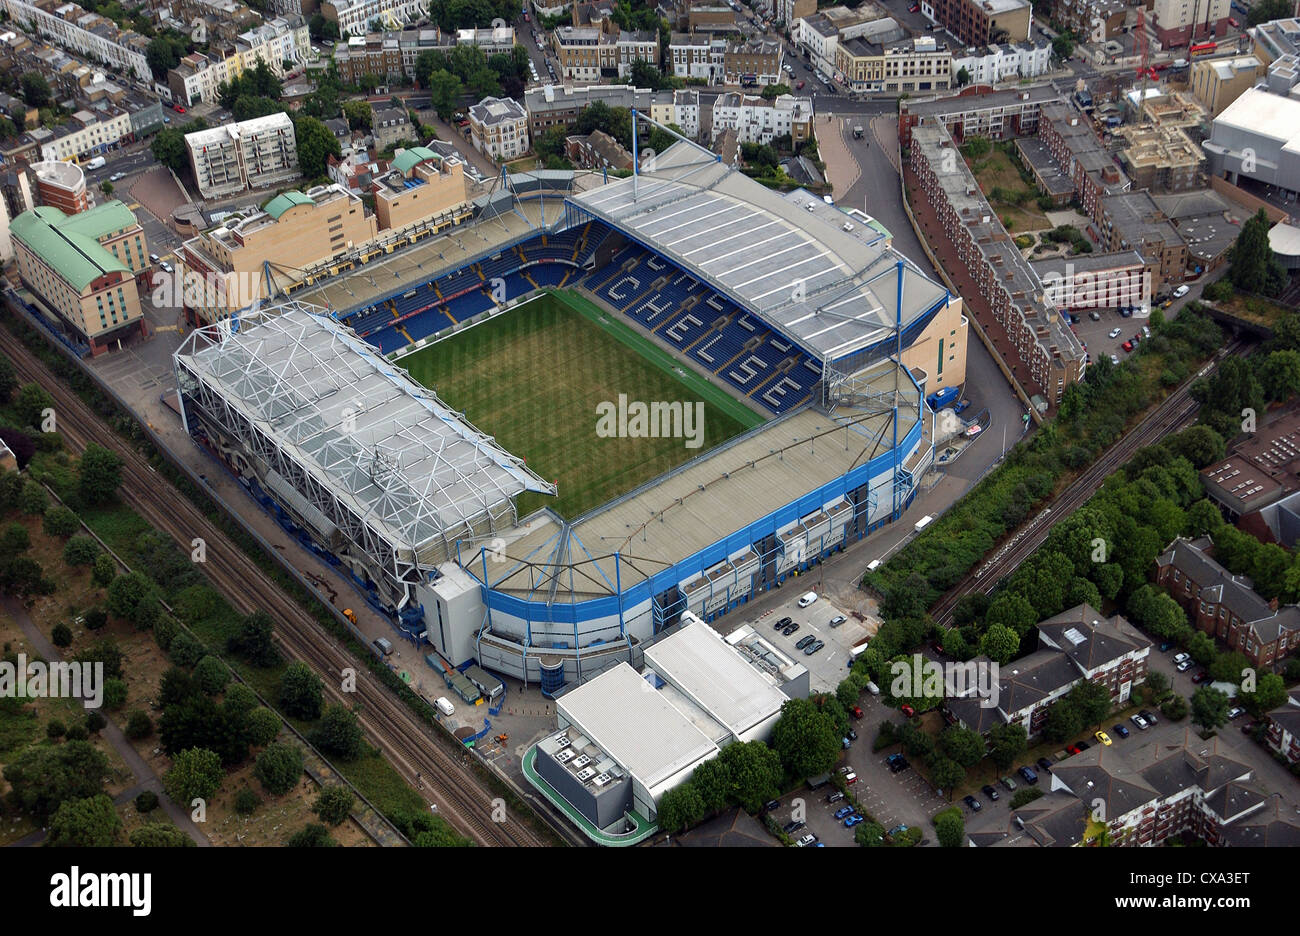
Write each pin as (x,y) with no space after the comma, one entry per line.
(831,291)
(396,454)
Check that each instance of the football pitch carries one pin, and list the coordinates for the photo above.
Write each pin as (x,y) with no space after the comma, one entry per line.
(534,377)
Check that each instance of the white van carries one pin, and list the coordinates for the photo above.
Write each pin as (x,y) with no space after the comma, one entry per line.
(1181,291)
(444,706)
(807,599)
(873,688)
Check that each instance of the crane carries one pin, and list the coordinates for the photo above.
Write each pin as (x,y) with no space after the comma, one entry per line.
(1144,70)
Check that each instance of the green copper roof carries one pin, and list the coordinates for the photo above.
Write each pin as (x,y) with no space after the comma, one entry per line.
(70,243)
(407,159)
(283,202)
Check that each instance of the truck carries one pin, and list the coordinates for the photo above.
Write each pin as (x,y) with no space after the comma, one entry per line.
(445,706)
(923,523)
(941,398)
(857,132)
(97,163)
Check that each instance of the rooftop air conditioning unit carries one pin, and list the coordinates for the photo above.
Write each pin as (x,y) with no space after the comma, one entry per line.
(586,774)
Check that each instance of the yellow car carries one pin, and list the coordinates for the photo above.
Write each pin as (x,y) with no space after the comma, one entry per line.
(1103,738)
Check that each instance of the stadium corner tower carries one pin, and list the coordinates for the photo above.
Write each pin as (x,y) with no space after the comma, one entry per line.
(798,309)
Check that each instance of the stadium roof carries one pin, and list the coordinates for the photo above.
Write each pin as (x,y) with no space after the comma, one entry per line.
(70,243)
(389,448)
(716,677)
(636,725)
(828,290)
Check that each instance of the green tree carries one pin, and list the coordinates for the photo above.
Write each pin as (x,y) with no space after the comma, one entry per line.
(333,804)
(98,474)
(1012,611)
(681,808)
(139,725)
(1265,11)
(1254,267)
(195,774)
(104,570)
(261,726)
(159,835)
(755,771)
(14,540)
(168,148)
(1007,743)
(358,114)
(316,143)
(89,822)
(255,641)
(301,692)
(1063,721)
(311,836)
(1210,708)
(1174,708)
(127,592)
(1270,692)
(1000,644)
(1091,700)
(805,738)
(964,746)
(60,521)
(712,782)
(945,772)
(279,767)
(43,778)
(32,402)
(35,89)
(963,77)
(339,733)
(211,675)
(61,636)
(950,828)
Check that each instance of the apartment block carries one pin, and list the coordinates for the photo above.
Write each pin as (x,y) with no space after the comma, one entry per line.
(559,105)
(1217,82)
(499,128)
(1284,728)
(698,55)
(355,16)
(249,155)
(920,64)
(597,150)
(89,34)
(1091,20)
(224,267)
(62,185)
(1069,137)
(391,125)
(752,62)
(1182,22)
(998,115)
(199,75)
(83,268)
(1133,221)
(1011,293)
(420,186)
(980,22)
(1012,61)
(1227,606)
(588,53)
(756,120)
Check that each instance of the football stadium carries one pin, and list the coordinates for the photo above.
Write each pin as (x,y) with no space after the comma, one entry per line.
(535,440)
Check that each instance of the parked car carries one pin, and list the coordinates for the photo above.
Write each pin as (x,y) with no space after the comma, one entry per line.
(1114,360)
(1200,677)
(799,85)
(835,797)
(1103,738)
(843,811)
(990,792)
(961,406)
(1236,712)
(790,628)
(1140,722)
(850,777)
(1113,333)
(1180,657)
(837,620)
(853,735)
(972,802)
(793,825)
(771,805)
(1184,666)
(783,622)
(1121,731)
(1181,291)
(1008,783)
(1044,764)
(1073,749)
(805,641)
(856,711)
(1095,315)
(1150,717)
(807,840)
(1082,745)
(807,598)
(897,830)
(1127,346)
(813,647)
(1028,775)
(897,763)
(907,710)
(852,820)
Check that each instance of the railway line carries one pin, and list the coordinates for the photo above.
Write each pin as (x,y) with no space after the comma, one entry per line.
(461,798)
(1173,414)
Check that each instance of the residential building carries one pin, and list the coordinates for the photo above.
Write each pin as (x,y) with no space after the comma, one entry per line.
(499,128)
(1160,158)
(280,40)
(685,112)
(1284,728)
(390,125)
(920,64)
(495,40)
(998,115)
(1217,82)
(83,267)
(789,11)
(252,154)
(1091,20)
(355,16)
(62,185)
(89,34)
(752,62)
(1133,221)
(296,233)
(421,187)
(1094,280)
(87,134)
(559,105)
(1009,292)
(356,171)
(698,55)
(589,54)
(757,120)
(980,22)
(1012,61)
(597,150)
(1076,646)
(1069,137)
(1225,605)
(1179,23)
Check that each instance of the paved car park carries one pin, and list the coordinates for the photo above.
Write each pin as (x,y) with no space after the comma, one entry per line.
(1095,334)
(828,666)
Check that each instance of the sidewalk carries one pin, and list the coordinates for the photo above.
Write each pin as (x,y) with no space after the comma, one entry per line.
(146,779)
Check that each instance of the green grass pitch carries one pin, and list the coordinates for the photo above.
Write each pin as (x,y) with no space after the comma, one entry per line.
(533,377)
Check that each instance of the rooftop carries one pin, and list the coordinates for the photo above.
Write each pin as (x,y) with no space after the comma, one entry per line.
(70,243)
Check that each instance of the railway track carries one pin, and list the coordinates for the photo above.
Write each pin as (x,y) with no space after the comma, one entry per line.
(461,797)
(1173,414)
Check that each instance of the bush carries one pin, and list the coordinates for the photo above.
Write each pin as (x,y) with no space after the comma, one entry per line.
(32,499)
(114,694)
(164,632)
(1024,796)
(185,650)
(55,729)
(211,675)
(77,733)
(1174,708)
(339,733)
(80,551)
(60,521)
(333,805)
(279,767)
(146,802)
(261,726)
(301,693)
(139,725)
(61,636)
(95,723)
(94,619)
(246,802)
(104,570)
(312,836)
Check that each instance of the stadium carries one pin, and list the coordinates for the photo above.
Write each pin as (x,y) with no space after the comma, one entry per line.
(429,423)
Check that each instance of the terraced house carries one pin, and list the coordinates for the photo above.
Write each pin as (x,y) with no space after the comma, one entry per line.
(1227,606)
(83,267)
(589,53)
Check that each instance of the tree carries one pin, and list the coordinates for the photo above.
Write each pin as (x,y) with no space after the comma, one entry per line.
(316,143)
(1265,11)
(211,675)
(445,91)
(1091,700)
(139,725)
(680,808)
(199,722)
(869,834)
(14,540)
(1063,46)
(90,822)
(1270,692)
(1000,644)
(945,772)
(1157,682)
(964,746)
(279,767)
(712,781)
(805,738)
(98,474)
(358,114)
(36,90)
(60,521)
(1012,611)
(339,733)
(1254,267)
(1063,721)
(104,570)
(255,642)
(1210,708)
(168,147)
(42,778)
(963,77)
(107,188)
(61,636)
(239,701)
(1175,708)
(195,774)
(950,828)
(301,692)
(755,771)
(1007,742)
(8,379)
(32,402)
(127,592)
(32,499)
(311,836)
(1280,374)
(261,726)
(333,804)
(159,835)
